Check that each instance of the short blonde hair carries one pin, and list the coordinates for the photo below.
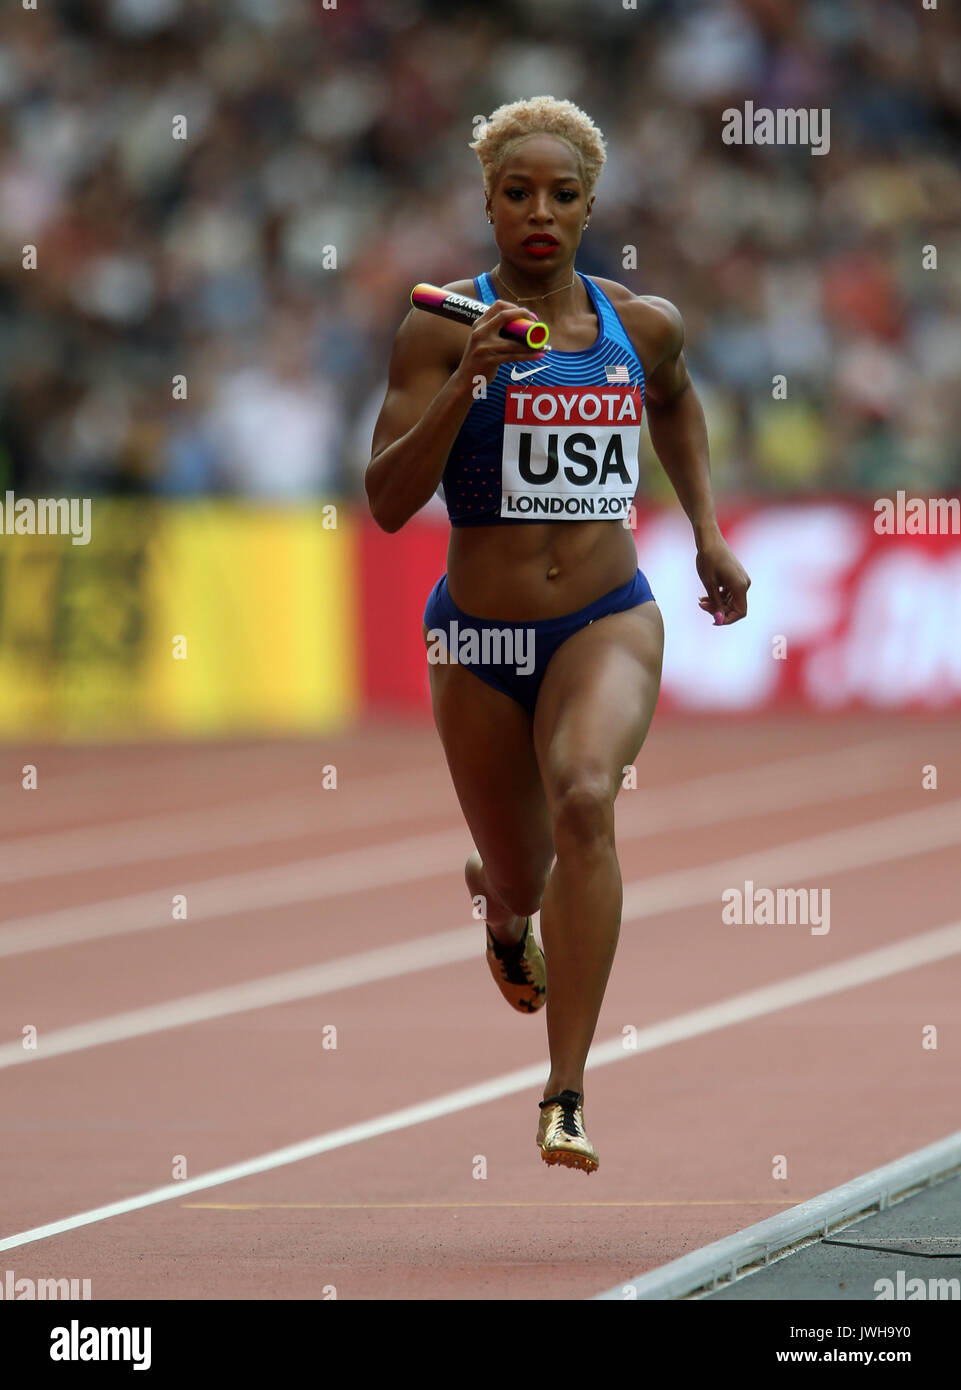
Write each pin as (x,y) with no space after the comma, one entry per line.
(540,116)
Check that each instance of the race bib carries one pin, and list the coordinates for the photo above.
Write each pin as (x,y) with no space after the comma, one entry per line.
(570,452)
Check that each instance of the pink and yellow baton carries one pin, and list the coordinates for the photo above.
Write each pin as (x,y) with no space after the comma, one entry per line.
(532,333)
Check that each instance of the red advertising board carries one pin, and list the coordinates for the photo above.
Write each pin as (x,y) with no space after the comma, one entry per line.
(397,573)
(843,613)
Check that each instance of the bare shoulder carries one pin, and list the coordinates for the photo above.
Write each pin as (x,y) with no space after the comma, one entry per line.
(461,287)
(653,323)
(424,338)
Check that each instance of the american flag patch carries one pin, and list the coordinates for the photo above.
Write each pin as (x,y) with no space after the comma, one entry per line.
(617,376)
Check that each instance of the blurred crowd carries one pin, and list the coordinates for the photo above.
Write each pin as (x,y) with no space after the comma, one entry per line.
(230,200)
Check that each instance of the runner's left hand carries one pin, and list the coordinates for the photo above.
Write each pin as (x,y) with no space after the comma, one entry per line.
(725,580)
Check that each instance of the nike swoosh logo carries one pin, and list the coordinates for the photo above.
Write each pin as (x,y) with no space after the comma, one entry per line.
(519,376)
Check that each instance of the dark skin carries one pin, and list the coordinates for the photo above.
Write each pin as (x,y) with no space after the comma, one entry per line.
(531,789)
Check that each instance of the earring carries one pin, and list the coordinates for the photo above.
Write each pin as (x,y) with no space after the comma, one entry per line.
(586,225)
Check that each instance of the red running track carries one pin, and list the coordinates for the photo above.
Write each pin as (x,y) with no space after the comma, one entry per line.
(284,877)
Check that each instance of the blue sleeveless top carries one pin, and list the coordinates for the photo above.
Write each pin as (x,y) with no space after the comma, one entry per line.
(554,440)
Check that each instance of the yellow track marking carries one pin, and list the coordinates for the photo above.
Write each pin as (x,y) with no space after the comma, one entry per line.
(467,1206)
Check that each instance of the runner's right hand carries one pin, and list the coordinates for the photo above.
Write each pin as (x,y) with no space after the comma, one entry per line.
(485,350)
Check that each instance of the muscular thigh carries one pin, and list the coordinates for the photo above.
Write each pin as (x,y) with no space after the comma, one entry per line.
(488,743)
(597,701)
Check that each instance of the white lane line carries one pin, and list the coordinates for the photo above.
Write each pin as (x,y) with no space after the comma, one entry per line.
(924,949)
(286,987)
(193,764)
(348,872)
(857,846)
(306,880)
(721,798)
(370,801)
(915,832)
(367,801)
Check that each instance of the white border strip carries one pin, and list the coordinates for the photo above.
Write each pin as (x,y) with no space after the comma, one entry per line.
(719,1264)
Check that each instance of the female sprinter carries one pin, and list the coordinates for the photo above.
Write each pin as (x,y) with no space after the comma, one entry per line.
(538,455)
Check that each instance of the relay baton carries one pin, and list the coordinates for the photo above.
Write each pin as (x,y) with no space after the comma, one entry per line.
(532,333)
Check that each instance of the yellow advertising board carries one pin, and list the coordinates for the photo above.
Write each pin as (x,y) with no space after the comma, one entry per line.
(180,619)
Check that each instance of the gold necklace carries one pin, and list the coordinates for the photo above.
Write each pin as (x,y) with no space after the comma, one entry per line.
(528,298)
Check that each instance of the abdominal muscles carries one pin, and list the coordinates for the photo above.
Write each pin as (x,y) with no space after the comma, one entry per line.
(541,570)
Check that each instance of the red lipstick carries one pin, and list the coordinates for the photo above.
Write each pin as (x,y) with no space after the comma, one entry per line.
(540,244)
